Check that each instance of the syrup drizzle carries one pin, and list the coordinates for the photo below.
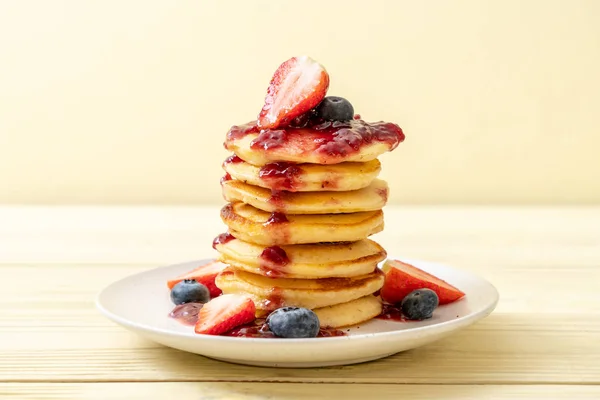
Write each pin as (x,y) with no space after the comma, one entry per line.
(226,178)
(222,239)
(233,159)
(276,218)
(274,261)
(332,138)
(281,175)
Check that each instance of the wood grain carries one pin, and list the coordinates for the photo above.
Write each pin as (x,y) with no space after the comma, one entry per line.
(541,342)
(289,391)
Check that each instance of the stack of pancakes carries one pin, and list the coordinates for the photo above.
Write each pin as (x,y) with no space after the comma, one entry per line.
(298,232)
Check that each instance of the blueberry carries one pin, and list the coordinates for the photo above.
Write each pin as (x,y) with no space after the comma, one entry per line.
(294,322)
(419,304)
(334,108)
(189,291)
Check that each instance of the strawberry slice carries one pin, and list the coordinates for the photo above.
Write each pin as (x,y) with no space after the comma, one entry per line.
(298,86)
(402,278)
(204,274)
(224,313)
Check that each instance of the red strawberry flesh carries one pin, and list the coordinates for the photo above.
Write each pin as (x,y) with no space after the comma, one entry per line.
(402,278)
(298,86)
(224,313)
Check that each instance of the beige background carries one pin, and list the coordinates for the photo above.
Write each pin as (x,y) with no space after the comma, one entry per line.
(128,101)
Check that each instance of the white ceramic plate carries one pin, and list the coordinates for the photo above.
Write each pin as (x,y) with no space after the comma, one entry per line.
(141,304)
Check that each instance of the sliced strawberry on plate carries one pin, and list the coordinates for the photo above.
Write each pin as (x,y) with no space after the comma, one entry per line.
(402,278)
(224,313)
(204,274)
(298,86)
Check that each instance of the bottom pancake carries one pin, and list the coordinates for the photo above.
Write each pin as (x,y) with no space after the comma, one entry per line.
(351,313)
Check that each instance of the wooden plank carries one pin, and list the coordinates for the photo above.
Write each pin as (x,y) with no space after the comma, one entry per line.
(263,391)
(481,356)
(463,236)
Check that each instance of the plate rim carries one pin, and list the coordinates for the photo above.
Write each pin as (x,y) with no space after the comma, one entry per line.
(435,328)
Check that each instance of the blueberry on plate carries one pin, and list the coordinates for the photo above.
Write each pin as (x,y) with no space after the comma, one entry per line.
(419,304)
(294,322)
(189,291)
(334,108)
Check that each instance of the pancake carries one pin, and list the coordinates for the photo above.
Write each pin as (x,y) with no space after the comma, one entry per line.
(304,177)
(373,197)
(351,313)
(271,293)
(330,143)
(256,226)
(303,261)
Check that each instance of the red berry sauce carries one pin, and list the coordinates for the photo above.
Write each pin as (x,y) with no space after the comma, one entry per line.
(226,178)
(239,131)
(276,218)
(274,261)
(222,239)
(260,329)
(392,313)
(330,138)
(274,300)
(281,175)
(276,200)
(186,313)
(233,160)
(383,193)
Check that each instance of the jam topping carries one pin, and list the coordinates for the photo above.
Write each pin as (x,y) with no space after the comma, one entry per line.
(275,256)
(222,239)
(276,199)
(281,175)
(239,131)
(233,160)
(274,300)
(260,329)
(383,193)
(334,138)
(226,178)
(186,313)
(274,260)
(276,218)
(392,313)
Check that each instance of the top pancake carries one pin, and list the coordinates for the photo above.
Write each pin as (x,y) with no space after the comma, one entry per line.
(325,143)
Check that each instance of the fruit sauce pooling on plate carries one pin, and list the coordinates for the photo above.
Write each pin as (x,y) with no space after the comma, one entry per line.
(260,329)
(392,312)
(334,138)
(186,313)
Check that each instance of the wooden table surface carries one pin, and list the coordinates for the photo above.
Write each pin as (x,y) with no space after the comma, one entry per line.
(543,340)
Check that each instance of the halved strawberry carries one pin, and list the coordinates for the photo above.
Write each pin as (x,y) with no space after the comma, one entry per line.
(298,86)
(224,313)
(402,278)
(204,274)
